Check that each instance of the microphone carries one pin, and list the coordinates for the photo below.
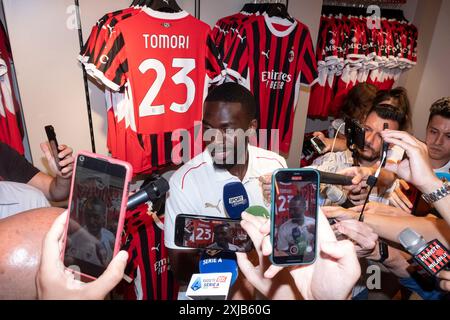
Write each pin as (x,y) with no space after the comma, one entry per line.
(235,199)
(338,196)
(150,192)
(334,178)
(431,256)
(218,272)
(258,211)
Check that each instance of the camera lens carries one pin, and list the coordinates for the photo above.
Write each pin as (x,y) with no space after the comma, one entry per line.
(81,158)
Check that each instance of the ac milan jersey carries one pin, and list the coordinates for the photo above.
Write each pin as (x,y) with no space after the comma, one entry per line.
(285,193)
(202,233)
(148,262)
(168,61)
(273,64)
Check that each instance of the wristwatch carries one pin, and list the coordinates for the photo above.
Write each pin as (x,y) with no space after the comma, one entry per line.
(383,249)
(437,194)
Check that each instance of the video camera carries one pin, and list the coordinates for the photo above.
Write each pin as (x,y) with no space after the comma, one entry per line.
(355,134)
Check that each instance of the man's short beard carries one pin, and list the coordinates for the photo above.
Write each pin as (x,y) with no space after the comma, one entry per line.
(360,156)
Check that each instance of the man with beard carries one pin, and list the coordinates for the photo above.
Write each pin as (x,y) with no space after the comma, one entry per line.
(197,187)
(391,107)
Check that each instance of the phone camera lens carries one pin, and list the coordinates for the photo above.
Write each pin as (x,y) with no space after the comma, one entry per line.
(81,158)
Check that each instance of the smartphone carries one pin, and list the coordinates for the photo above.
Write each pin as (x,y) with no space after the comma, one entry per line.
(97,206)
(54,147)
(295,196)
(318,144)
(200,232)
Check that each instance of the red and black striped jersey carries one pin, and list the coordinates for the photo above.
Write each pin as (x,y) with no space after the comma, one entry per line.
(148,262)
(168,60)
(273,64)
(221,30)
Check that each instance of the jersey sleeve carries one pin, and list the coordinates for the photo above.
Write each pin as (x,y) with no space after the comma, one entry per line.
(307,64)
(111,67)
(237,57)
(214,66)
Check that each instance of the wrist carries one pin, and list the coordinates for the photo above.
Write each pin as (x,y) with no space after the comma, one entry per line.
(431,186)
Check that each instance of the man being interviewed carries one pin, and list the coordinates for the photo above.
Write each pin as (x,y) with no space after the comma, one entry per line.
(198,186)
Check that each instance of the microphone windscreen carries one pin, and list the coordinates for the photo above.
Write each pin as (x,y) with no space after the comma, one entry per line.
(216,261)
(258,211)
(235,199)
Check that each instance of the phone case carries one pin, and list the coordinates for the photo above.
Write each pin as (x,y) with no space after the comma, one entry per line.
(272,216)
(123,208)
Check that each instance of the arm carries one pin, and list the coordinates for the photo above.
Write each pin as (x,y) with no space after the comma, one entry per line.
(416,168)
(58,188)
(389,227)
(397,261)
(429,227)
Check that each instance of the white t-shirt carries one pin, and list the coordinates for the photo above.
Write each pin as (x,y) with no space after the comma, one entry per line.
(197,187)
(285,238)
(444,169)
(19,197)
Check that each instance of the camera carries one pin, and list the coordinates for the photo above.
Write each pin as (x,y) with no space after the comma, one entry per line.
(355,134)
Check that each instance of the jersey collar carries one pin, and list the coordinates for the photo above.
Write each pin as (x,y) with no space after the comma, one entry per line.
(271,20)
(165,15)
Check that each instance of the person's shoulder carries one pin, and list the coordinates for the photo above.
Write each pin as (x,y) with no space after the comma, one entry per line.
(268,158)
(190,170)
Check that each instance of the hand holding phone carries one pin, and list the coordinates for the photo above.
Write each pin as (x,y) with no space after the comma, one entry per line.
(293,216)
(97,205)
(200,232)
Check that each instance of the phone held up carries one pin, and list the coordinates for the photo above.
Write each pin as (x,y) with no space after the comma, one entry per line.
(54,147)
(294,214)
(97,206)
(200,232)
(318,145)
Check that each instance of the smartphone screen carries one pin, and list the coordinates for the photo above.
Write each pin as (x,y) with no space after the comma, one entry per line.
(294,216)
(95,208)
(51,136)
(211,233)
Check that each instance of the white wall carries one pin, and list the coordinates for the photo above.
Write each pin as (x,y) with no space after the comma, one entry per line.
(430,79)
(50,82)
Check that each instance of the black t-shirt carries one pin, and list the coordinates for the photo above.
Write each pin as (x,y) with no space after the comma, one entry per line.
(14,167)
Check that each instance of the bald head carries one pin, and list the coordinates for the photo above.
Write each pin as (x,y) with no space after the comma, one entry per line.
(20,251)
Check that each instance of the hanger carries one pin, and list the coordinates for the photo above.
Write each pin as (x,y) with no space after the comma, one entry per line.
(278,10)
(138,3)
(170,6)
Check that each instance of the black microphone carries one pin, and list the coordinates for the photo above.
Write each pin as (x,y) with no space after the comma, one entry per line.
(335,179)
(150,192)
(431,256)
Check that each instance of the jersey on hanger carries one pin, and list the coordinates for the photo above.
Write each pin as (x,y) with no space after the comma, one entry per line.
(168,60)
(272,58)
(148,262)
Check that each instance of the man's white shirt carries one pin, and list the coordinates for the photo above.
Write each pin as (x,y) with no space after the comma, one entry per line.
(197,187)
